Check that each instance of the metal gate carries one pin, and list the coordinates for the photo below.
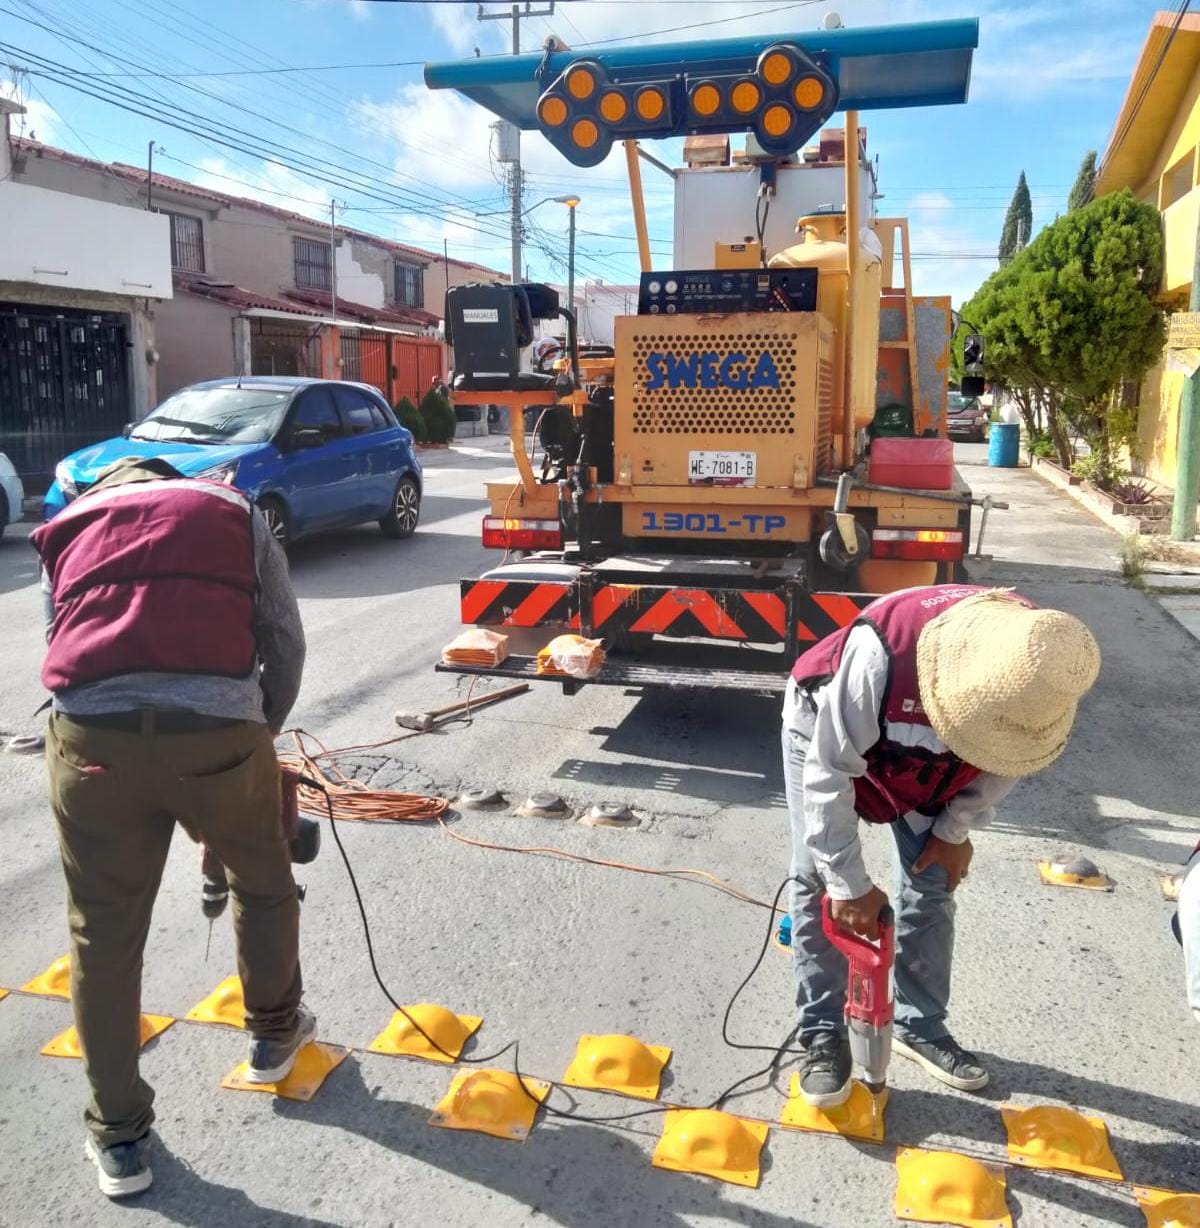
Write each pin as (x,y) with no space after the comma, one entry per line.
(64,383)
(277,349)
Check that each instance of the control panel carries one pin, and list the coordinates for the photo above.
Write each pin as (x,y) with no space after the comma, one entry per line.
(722,291)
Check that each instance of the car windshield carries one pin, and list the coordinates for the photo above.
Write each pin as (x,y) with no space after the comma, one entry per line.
(959,403)
(216,415)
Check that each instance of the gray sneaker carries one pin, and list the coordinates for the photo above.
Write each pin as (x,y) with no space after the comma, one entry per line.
(825,1070)
(271,1060)
(946,1060)
(122,1168)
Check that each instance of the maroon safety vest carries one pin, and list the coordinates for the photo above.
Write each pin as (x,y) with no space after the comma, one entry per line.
(899,778)
(150,577)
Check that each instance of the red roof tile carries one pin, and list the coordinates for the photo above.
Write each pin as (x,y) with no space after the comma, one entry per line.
(320,299)
(238,297)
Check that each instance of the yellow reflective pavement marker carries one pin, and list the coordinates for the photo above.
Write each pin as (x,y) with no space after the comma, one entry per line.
(490,1102)
(942,1187)
(1168,1209)
(3,994)
(224,1005)
(1047,1136)
(1082,874)
(857,1118)
(449,1031)
(314,1064)
(616,1063)
(66,1044)
(55,982)
(711,1143)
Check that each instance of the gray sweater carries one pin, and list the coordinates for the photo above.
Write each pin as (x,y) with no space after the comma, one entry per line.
(266,694)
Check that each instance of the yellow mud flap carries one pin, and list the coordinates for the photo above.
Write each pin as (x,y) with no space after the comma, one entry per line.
(1167,1208)
(860,1117)
(615,1063)
(66,1044)
(1047,1136)
(314,1064)
(224,1005)
(942,1187)
(490,1102)
(713,1144)
(450,1032)
(55,982)
(1081,873)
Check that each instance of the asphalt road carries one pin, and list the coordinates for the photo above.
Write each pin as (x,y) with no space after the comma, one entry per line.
(1074,998)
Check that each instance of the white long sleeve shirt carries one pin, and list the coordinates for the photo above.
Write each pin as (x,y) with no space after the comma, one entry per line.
(845,727)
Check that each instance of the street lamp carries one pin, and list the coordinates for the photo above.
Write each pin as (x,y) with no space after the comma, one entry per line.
(572,203)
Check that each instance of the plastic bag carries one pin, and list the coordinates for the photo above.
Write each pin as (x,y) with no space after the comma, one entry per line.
(576,656)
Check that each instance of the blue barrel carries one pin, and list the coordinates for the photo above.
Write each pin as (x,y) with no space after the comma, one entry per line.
(1004,445)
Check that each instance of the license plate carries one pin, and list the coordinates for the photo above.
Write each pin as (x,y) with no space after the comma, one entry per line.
(721,468)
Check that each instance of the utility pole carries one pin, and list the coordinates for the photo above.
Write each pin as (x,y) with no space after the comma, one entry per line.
(571,256)
(1187,455)
(333,260)
(515,178)
(150,176)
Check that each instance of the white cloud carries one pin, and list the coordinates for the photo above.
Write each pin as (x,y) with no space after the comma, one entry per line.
(270,183)
(360,10)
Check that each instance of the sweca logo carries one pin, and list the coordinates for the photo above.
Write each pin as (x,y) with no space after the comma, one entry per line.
(709,370)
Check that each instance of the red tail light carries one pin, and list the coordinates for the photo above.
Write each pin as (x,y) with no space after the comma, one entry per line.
(500,533)
(927,545)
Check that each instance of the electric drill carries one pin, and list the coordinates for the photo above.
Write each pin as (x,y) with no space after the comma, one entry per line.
(868,994)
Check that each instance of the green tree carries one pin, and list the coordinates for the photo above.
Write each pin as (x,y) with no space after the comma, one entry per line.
(1018,222)
(440,420)
(1085,183)
(408,415)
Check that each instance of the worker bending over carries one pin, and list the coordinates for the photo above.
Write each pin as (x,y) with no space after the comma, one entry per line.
(920,714)
(175,654)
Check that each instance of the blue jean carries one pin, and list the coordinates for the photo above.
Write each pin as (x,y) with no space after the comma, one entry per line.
(924,924)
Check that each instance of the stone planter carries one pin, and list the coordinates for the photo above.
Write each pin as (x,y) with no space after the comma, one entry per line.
(1053,472)
(1151,518)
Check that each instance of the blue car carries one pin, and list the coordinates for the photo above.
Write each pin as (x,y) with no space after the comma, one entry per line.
(312,454)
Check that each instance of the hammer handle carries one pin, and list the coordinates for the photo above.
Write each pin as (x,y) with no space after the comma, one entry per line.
(490,697)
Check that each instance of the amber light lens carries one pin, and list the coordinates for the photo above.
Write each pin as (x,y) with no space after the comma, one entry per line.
(553,112)
(581,84)
(651,104)
(613,107)
(777,120)
(808,93)
(777,68)
(706,99)
(585,133)
(745,97)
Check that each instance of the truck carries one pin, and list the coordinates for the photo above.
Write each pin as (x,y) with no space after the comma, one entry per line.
(761,451)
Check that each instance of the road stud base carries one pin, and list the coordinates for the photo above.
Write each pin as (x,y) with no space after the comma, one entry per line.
(66,1044)
(1083,875)
(860,1117)
(490,1102)
(1047,1136)
(450,1032)
(314,1064)
(1168,1209)
(713,1144)
(55,982)
(615,1063)
(225,1005)
(942,1187)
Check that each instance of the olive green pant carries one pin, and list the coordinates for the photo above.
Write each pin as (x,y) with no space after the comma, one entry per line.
(117,796)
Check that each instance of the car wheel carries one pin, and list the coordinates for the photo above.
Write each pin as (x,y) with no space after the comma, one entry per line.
(275,514)
(401,521)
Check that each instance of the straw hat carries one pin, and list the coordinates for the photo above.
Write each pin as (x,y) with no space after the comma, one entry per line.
(1000,681)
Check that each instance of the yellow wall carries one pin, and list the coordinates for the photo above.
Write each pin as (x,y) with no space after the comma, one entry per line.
(1158,424)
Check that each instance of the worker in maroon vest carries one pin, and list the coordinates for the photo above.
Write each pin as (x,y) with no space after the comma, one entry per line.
(175,654)
(921,715)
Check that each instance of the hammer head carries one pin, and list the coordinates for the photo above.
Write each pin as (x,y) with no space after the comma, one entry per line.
(420,721)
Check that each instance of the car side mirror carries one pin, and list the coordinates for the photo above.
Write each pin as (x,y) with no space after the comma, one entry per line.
(127,430)
(307,437)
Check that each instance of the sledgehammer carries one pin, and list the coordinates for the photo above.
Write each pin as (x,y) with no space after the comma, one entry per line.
(423,722)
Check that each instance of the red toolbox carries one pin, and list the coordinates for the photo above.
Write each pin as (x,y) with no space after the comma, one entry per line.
(915,464)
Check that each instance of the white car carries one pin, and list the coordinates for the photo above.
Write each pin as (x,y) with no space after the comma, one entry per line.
(12,495)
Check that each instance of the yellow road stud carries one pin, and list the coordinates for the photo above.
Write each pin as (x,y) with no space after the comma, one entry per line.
(224,1005)
(1170,885)
(1168,1209)
(490,1102)
(314,1064)
(450,1032)
(713,1144)
(55,982)
(615,1063)
(857,1118)
(1079,872)
(1048,1136)
(66,1044)
(942,1187)
(3,994)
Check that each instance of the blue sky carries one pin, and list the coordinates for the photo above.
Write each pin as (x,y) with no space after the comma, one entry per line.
(1048,80)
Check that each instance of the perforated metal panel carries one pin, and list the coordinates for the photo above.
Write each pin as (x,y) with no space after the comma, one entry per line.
(824,416)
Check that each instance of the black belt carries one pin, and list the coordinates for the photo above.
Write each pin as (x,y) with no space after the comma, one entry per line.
(153,720)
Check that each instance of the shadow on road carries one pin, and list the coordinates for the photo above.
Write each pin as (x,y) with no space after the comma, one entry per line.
(568,1173)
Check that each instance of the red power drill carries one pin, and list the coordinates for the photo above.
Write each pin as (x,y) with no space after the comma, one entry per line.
(868,994)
